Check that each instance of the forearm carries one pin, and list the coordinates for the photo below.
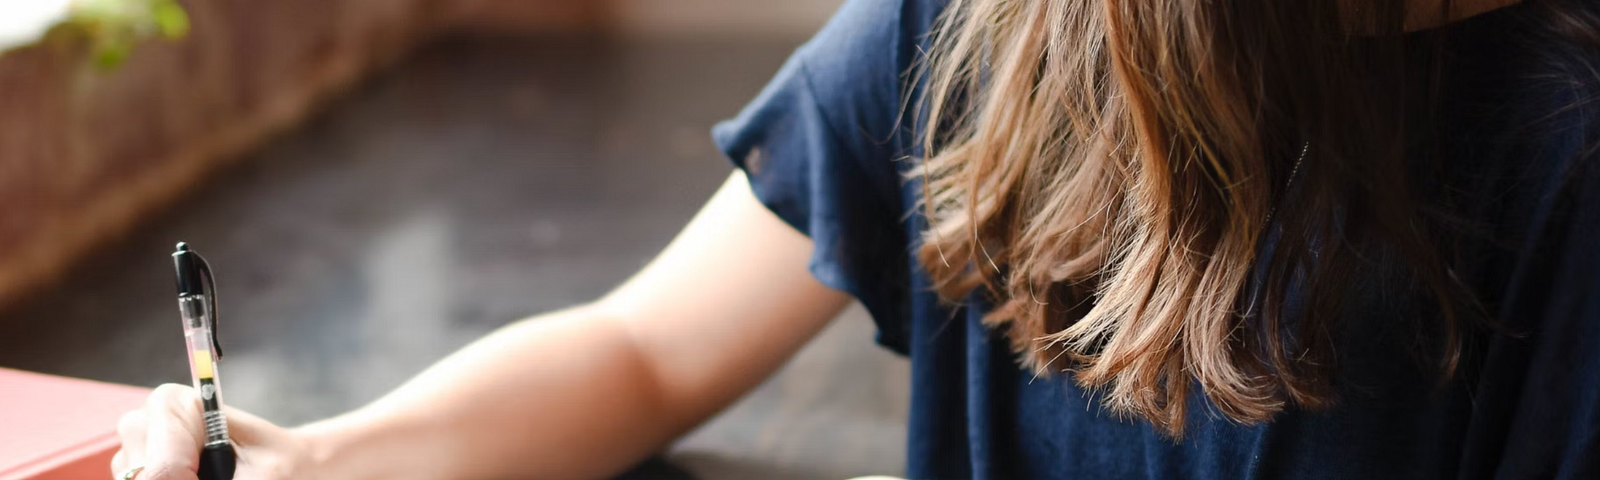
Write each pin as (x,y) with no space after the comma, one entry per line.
(586,392)
(565,395)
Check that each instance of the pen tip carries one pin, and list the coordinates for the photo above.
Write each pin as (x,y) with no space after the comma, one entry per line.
(183,247)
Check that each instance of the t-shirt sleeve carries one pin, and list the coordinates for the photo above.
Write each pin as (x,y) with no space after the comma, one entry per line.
(818,147)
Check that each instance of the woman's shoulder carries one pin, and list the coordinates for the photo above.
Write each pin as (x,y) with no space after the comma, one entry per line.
(1551,63)
(1530,89)
(820,145)
(862,62)
(1526,135)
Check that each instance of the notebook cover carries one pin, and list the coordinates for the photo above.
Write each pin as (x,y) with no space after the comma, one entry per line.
(58,428)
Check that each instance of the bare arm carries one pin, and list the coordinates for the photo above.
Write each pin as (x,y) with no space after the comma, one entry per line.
(585,392)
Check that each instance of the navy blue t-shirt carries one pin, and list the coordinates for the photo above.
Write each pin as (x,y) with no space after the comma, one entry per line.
(826,144)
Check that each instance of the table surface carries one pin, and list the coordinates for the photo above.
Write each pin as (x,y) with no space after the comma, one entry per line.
(480,181)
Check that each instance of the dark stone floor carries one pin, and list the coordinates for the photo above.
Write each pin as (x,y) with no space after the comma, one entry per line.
(479,182)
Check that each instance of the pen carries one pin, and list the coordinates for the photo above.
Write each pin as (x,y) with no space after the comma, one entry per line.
(197,302)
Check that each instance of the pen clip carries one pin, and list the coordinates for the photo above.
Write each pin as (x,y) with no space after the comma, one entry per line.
(210,286)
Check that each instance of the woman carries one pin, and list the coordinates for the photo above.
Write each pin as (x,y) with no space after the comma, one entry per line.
(1117,239)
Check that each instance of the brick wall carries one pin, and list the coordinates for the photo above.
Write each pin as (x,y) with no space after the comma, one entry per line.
(87,153)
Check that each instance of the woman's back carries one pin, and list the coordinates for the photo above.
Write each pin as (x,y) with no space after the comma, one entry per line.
(823,147)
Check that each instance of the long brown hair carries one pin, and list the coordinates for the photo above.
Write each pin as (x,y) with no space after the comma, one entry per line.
(1108,171)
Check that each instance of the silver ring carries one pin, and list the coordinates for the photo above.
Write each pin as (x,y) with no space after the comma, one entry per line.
(130,473)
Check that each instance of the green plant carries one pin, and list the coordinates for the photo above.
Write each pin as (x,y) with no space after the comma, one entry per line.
(115,26)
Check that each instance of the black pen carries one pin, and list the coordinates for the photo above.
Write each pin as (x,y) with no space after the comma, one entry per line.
(197,301)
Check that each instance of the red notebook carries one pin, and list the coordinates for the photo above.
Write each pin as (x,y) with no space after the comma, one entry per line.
(58,428)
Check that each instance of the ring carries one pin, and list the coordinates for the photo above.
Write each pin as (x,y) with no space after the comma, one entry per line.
(130,473)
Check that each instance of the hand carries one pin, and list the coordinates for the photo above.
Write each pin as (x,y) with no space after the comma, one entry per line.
(165,437)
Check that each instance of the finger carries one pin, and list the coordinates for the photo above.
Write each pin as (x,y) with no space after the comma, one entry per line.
(131,430)
(247,429)
(119,462)
(173,437)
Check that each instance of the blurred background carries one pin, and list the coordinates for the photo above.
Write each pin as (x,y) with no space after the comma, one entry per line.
(378,182)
